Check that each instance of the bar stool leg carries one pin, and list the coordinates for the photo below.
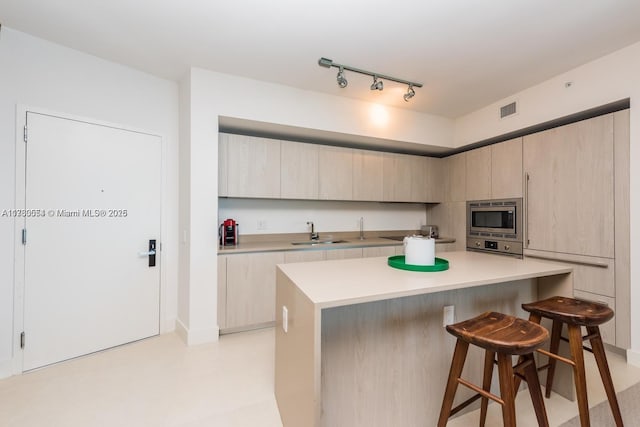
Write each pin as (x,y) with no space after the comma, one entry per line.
(457,363)
(531,374)
(489,358)
(605,373)
(575,343)
(505,373)
(556,331)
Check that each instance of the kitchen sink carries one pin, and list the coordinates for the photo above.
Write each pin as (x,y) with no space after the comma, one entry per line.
(319,242)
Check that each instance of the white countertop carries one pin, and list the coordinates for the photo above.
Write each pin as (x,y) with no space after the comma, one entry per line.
(352,281)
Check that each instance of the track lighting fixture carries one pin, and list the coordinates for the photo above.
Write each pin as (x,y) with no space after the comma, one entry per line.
(410,92)
(377,78)
(342,81)
(377,84)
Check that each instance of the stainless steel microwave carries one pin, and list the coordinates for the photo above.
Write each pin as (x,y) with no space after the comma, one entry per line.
(495,226)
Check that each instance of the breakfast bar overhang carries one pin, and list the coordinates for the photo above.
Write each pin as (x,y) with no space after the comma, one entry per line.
(359,343)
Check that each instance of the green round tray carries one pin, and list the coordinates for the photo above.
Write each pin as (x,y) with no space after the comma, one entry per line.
(397,261)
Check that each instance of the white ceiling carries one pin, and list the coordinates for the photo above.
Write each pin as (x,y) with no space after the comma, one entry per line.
(467,53)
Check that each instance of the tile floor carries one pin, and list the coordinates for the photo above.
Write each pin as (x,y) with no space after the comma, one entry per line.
(161,382)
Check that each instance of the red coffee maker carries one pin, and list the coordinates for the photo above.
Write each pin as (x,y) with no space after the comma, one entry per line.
(228,233)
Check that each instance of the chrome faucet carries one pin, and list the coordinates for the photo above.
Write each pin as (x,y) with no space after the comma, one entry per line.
(361,228)
(314,235)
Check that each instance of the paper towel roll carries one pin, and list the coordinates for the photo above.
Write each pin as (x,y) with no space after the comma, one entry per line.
(419,250)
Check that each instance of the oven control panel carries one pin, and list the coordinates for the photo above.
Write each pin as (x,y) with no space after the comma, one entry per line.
(495,246)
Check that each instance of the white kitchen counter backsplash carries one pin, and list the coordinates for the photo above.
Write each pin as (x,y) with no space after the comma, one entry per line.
(261,216)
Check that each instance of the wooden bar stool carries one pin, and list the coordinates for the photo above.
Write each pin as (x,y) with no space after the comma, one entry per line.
(505,336)
(575,314)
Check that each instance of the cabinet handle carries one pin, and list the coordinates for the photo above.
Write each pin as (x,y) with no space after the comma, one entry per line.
(568,261)
(526,209)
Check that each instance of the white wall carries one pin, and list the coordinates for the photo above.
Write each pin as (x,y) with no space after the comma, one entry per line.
(40,74)
(213,95)
(610,78)
(291,216)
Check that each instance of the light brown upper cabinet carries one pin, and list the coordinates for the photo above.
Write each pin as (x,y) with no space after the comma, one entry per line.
(299,170)
(397,177)
(436,177)
(492,172)
(223,161)
(456,166)
(367,175)
(335,173)
(570,191)
(479,174)
(253,167)
(506,169)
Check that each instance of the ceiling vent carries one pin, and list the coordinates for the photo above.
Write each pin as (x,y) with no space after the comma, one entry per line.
(507,110)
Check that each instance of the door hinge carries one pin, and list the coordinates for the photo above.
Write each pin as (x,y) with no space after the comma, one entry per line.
(24,236)
(22,340)
(25,134)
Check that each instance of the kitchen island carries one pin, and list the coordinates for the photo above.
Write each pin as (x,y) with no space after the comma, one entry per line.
(359,343)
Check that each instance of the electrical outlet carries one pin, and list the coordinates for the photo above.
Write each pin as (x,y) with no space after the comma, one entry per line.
(262,224)
(448,315)
(285,319)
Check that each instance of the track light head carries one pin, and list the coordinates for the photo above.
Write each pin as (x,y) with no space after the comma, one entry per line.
(410,93)
(377,84)
(342,81)
(324,62)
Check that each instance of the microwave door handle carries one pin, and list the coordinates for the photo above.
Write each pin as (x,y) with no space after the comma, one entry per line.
(526,209)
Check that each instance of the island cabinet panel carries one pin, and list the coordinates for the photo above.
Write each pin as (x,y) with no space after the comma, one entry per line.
(335,173)
(363,344)
(367,175)
(397,177)
(478,179)
(299,170)
(506,169)
(570,191)
(251,288)
(253,167)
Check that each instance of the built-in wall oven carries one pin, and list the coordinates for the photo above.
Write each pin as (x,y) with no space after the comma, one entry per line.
(495,226)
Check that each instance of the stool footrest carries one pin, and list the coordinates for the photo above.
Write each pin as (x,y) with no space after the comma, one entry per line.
(464,404)
(480,391)
(555,356)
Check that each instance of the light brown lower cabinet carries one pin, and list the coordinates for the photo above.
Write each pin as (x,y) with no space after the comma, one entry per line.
(247,283)
(377,251)
(251,289)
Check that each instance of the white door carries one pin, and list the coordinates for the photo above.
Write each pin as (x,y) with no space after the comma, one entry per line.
(93,193)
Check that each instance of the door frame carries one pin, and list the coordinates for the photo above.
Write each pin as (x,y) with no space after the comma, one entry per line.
(19,202)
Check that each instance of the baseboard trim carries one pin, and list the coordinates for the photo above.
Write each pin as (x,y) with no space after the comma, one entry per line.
(195,337)
(633,357)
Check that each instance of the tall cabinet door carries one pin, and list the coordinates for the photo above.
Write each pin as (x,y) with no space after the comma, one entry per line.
(569,191)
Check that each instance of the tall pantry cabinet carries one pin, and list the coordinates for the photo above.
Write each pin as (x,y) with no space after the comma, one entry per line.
(576,208)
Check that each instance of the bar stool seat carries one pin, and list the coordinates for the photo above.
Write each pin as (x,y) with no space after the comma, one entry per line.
(502,335)
(576,313)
